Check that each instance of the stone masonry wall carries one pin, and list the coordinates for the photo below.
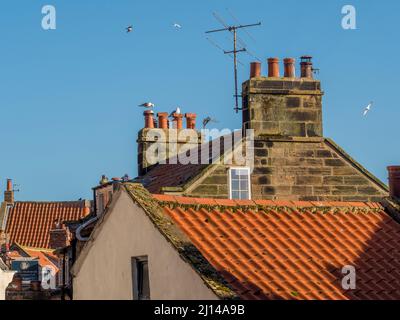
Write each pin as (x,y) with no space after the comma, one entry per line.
(303,170)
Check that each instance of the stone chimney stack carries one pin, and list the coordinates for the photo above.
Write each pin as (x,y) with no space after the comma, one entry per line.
(169,137)
(287,106)
(9,193)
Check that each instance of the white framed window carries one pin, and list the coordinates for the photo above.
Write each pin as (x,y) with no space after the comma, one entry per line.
(239,183)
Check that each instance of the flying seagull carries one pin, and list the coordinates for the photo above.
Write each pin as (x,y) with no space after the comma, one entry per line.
(129,29)
(207,121)
(367,109)
(177,26)
(147,105)
(177,111)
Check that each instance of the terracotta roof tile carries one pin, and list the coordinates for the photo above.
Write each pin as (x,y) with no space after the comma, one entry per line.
(295,250)
(29,223)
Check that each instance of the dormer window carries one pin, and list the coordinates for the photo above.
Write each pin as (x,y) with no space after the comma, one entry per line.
(239,183)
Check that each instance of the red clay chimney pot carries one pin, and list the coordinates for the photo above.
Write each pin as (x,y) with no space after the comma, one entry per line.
(289,67)
(306,67)
(178,120)
(190,120)
(162,120)
(9,185)
(273,67)
(148,119)
(255,69)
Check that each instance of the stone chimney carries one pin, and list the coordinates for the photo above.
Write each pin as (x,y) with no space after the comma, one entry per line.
(394,181)
(9,193)
(170,137)
(283,106)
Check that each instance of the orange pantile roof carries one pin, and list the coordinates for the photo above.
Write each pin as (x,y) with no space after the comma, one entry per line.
(29,223)
(44,258)
(293,250)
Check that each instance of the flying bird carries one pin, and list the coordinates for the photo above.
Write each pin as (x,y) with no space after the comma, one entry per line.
(207,121)
(177,26)
(147,105)
(129,29)
(367,109)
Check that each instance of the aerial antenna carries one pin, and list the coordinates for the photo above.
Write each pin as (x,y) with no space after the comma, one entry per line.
(235,51)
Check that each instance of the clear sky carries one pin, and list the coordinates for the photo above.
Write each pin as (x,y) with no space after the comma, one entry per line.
(68,97)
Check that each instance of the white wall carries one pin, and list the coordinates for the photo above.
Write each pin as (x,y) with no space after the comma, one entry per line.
(127,232)
(5,279)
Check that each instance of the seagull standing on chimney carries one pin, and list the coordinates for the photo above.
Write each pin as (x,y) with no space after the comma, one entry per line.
(367,109)
(177,111)
(148,105)
(129,29)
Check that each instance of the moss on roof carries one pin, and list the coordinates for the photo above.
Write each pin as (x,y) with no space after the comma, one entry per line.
(180,241)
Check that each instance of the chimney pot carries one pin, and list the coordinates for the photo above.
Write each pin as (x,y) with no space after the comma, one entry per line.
(9,185)
(162,120)
(394,181)
(289,67)
(255,69)
(148,119)
(178,120)
(190,120)
(9,193)
(306,67)
(273,67)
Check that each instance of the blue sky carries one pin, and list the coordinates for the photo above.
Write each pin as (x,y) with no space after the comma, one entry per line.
(68,97)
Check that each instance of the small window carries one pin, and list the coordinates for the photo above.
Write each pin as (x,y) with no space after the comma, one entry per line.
(239,183)
(140,278)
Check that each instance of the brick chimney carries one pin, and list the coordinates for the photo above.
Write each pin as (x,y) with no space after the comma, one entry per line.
(59,237)
(9,193)
(169,136)
(283,106)
(394,181)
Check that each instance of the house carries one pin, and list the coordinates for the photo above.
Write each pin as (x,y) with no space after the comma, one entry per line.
(33,230)
(303,221)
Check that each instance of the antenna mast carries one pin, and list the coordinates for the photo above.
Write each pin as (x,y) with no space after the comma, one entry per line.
(234,29)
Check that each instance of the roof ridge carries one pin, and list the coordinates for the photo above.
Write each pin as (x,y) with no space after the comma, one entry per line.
(162,198)
(67,201)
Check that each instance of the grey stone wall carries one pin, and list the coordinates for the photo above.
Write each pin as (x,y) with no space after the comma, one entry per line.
(298,170)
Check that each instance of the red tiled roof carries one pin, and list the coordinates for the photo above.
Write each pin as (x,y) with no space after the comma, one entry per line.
(29,223)
(294,250)
(44,258)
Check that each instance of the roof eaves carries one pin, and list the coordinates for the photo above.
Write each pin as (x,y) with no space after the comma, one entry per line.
(180,241)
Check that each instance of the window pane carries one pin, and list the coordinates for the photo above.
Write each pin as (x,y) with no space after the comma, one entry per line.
(235,185)
(234,174)
(244,195)
(244,184)
(235,195)
(145,294)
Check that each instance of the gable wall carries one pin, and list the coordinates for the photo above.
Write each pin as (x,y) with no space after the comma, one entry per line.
(296,170)
(127,232)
